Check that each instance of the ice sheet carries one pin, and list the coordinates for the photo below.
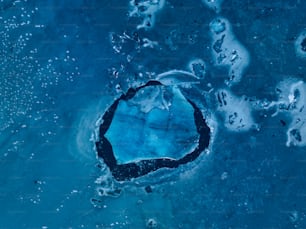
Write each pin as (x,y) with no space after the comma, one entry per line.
(157,123)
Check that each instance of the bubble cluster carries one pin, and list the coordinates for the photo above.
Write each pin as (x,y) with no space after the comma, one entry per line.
(16,68)
(26,77)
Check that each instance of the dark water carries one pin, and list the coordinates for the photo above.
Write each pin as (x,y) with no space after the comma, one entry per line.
(63,63)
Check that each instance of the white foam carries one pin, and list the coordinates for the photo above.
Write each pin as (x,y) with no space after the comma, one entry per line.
(227,51)
(298,47)
(237,111)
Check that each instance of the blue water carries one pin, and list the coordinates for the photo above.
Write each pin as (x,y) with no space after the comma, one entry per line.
(63,63)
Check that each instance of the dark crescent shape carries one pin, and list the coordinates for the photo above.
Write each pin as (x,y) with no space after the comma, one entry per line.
(303,45)
(128,171)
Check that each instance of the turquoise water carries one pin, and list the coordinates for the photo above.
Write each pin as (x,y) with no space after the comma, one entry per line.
(63,64)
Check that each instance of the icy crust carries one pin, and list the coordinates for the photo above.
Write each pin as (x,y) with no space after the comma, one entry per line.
(227,51)
(213,4)
(292,100)
(236,111)
(157,122)
(300,45)
(145,10)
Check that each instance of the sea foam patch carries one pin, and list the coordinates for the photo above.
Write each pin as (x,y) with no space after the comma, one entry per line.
(227,51)
(237,111)
(146,10)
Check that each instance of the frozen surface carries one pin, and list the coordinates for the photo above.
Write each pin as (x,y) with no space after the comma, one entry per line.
(158,122)
(64,63)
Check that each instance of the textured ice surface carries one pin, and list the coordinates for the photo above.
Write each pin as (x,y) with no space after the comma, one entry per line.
(60,73)
(236,111)
(227,51)
(158,122)
(214,4)
(300,45)
(197,67)
(146,11)
(292,100)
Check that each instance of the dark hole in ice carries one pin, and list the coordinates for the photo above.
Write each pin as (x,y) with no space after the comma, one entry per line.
(232,118)
(296,134)
(283,122)
(199,69)
(148,189)
(218,44)
(137,168)
(296,94)
(303,45)
(151,224)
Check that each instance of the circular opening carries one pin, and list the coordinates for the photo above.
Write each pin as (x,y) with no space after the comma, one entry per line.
(151,127)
